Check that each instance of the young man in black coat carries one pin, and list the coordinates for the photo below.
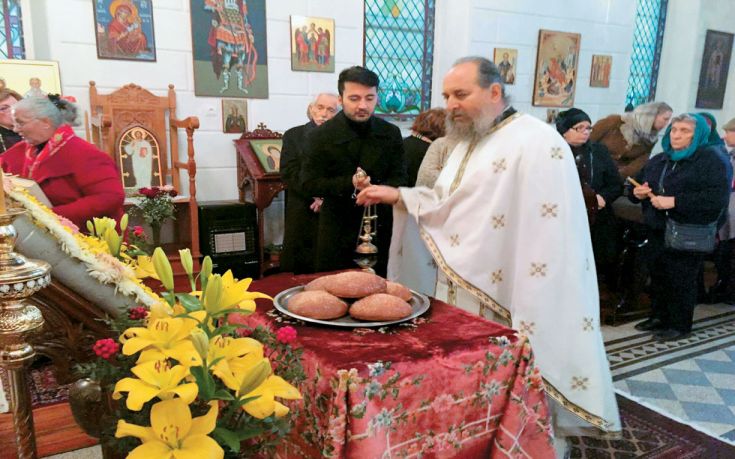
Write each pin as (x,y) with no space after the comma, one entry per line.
(353,139)
(302,209)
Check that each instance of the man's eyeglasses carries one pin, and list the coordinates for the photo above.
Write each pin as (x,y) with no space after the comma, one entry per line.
(583,129)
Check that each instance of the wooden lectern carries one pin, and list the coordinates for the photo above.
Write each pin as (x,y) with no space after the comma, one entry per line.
(258,180)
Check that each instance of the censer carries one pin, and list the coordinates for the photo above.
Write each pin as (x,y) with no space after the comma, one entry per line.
(366,251)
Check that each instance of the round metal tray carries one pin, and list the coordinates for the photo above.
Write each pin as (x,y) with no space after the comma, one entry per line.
(419,305)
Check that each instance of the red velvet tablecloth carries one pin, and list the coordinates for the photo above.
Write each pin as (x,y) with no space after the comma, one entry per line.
(447,385)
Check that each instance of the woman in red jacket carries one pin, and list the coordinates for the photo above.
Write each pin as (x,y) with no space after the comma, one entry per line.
(81,181)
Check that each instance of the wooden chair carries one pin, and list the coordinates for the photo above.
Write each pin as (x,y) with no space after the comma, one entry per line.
(133,120)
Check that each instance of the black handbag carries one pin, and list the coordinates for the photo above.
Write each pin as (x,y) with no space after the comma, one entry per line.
(690,237)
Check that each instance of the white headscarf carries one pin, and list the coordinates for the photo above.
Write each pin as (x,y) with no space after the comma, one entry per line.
(637,125)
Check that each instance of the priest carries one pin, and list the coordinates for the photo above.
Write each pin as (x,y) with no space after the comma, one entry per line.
(506,225)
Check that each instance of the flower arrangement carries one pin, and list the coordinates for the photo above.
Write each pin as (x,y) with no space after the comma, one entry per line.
(155,205)
(188,380)
(93,252)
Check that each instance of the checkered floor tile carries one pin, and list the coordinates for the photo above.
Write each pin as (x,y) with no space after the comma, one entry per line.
(700,391)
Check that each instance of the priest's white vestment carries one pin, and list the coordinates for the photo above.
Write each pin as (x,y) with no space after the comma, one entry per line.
(506,225)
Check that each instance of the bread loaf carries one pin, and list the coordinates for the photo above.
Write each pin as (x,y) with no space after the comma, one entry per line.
(355,284)
(399,290)
(317,304)
(380,307)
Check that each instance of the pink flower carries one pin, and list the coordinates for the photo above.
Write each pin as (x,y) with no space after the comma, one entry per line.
(106,348)
(286,335)
(138,313)
(244,332)
(138,231)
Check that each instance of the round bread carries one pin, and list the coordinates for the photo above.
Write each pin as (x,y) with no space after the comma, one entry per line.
(320,283)
(317,304)
(399,290)
(380,307)
(355,284)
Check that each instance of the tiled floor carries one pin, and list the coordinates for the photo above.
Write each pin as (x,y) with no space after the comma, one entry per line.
(700,391)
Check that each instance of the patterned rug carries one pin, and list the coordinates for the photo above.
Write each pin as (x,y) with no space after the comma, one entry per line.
(647,434)
(45,390)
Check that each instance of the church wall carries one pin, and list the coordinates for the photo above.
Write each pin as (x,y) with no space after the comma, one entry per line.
(681,58)
(63,31)
(478,26)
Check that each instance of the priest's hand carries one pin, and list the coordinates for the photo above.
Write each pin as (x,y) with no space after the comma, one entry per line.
(378,194)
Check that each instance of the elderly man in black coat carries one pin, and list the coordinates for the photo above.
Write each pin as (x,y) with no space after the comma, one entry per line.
(352,140)
(302,209)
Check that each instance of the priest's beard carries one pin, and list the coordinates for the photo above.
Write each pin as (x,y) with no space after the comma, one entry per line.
(476,128)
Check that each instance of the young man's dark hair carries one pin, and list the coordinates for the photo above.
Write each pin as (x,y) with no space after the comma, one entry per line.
(357,74)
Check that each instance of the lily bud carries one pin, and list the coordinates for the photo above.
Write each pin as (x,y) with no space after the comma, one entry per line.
(200,341)
(90,227)
(186,261)
(163,269)
(124,222)
(114,241)
(256,377)
(213,294)
(205,272)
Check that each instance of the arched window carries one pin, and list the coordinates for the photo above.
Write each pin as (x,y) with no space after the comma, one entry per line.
(11,31)
(650,19)
(399,47)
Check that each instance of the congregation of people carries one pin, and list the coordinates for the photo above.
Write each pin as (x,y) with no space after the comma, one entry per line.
(460,204)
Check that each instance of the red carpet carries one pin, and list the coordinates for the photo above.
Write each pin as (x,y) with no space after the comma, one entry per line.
(647,434)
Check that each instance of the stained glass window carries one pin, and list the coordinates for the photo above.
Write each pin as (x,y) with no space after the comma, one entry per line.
(399,47)
(11,31)
(648,38)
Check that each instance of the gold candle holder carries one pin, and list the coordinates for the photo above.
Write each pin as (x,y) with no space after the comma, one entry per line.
(20,278)
(367,252)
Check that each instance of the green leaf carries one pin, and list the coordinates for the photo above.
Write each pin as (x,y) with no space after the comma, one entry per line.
(223,394)
(205,382)
(224,329)
(189,302)
(246,400)
(228,437)
(169,297)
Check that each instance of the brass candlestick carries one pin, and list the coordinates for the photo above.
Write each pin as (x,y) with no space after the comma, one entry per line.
(367,252)
(19,279)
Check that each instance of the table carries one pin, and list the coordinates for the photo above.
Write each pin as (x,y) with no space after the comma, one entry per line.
(446,385)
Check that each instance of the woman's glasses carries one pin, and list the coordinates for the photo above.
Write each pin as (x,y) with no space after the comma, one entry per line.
(583,129)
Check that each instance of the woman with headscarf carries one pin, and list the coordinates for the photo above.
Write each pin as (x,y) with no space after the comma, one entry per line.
(598,171)
(80,181)
(688,185)
(630,137)
(723,252)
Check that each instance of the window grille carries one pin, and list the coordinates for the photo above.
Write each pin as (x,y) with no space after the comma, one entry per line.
(11,31)
(650,20)
(399,47)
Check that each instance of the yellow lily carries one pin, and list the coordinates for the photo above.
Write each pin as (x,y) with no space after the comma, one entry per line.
(173,433)
(229,350)
(163,338)
(252,377)
(144,268)
(234,294)
(157,378)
